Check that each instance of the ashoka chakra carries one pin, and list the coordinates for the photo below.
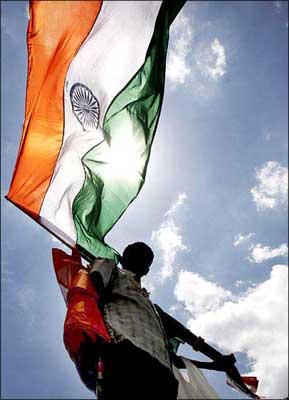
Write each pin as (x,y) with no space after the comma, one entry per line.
(84,106)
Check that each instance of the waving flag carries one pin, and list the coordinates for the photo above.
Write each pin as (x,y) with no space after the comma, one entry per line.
(95,86)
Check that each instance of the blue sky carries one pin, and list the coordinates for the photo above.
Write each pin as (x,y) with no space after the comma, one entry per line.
(213,208)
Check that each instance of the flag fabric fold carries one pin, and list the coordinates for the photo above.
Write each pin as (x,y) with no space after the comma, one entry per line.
(95,86)
(83,318)
(249,382)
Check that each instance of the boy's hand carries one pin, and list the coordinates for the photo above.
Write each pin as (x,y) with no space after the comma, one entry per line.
(226,362)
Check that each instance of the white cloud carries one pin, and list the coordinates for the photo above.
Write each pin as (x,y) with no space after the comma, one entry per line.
(149,282)
(197,65)
(240,239)
(175,308)
(199,294)
(212,60)
(239,283)
(271,190)
(181,37)
(220,63)
(178,203)
(168,239)
(255,322)
(259,253)
(170,242)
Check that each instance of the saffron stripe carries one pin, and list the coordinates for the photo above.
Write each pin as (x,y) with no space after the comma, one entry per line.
(56,30)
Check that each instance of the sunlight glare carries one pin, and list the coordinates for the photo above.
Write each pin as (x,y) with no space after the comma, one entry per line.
(124,159)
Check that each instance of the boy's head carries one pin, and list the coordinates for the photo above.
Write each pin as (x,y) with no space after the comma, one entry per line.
(137,258)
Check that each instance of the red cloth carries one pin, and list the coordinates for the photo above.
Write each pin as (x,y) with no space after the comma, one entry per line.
(252,382)
(83,317)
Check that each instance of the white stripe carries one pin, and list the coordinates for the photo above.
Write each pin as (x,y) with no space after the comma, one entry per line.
(112,53)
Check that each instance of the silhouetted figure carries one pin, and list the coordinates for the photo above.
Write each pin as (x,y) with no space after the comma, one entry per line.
(137,363)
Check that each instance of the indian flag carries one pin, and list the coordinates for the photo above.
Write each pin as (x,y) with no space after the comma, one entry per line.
(95,85)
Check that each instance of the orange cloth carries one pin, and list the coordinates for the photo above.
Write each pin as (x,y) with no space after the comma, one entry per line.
(56,30)
(83,317)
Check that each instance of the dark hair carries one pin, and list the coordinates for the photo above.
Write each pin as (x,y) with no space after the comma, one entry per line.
(137,256)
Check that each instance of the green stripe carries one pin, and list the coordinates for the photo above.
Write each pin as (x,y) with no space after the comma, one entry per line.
(104,197)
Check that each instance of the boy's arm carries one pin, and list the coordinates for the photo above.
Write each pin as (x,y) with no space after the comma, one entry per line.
(174,328)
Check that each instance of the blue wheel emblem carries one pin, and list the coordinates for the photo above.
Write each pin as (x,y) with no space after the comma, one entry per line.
(84,106)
